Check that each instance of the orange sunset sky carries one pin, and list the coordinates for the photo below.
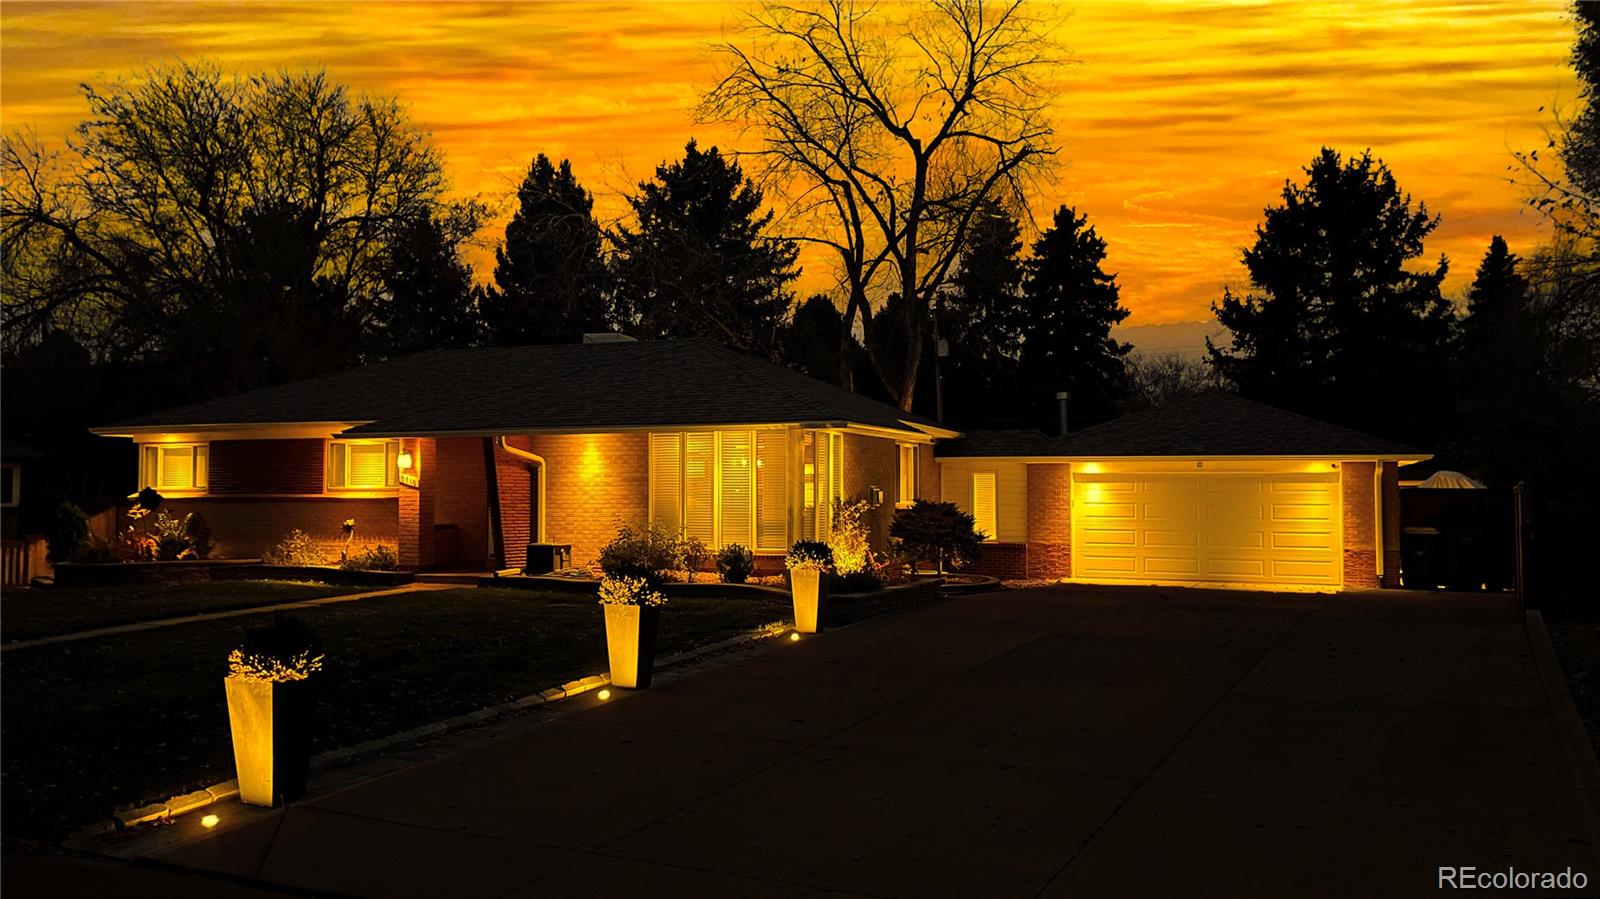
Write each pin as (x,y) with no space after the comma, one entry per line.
(1179,121)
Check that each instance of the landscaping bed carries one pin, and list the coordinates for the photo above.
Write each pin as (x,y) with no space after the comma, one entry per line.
(31,614)
(133,718)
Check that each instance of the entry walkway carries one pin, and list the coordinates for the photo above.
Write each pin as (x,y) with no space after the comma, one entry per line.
(1065,741)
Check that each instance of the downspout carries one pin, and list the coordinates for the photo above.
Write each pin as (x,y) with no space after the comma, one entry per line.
(532,459)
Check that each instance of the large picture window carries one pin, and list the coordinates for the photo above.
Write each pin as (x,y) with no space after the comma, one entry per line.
(363,464)
(174,466)
(721,486)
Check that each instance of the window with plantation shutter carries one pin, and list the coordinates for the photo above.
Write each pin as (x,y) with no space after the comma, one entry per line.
(174,466)
(983,504)
(666,481)
(772,490)
(363,464)
(738,489)
(700,486)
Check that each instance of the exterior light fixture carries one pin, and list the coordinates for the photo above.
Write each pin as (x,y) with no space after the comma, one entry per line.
(209,821)
(794,636)
(404,460)
(605,694)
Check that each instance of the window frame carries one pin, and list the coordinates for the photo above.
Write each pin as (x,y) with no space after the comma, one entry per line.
(13,476)
(656,487)
(391,473)
(903,450)
(199,468)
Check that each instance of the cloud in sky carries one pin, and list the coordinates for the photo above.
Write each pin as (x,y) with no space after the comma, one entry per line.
(1179,120)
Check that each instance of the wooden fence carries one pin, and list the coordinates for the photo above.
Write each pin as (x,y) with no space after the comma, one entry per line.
(21,561)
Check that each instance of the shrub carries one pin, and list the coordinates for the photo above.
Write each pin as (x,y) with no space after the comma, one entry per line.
(629,591)
(648,553)
(813,555)
(198,531)
(371,558)
(693,555)
(135,545)
(936,532)
(283,651)
(735,564)
(67,531)
(171,537)
(854,582)
(96,551)
(851,539)
(296,549)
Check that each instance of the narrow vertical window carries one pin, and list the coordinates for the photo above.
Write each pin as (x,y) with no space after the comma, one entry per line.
(983,504)
(737,504)
(700,486)
(908,475)
(772,490)
(666,482)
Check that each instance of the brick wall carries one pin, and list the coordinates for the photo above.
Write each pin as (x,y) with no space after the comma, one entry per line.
(1049,520)
(419,506)
(461,512)
(872,462)
(257,467)
(1360,535)
(246,527)
(1391,525)
(595,484)
(1002,560)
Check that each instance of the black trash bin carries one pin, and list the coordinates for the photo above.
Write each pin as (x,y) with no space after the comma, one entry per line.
(543,558)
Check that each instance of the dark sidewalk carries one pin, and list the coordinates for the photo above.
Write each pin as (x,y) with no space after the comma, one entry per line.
(1061,741)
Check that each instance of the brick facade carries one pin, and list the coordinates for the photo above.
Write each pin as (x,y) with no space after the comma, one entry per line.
(1391,525)
(461,512)
(1008,561)
(872,462)
(266,467)
(246,527)
(1049,520)
(1360,535)
(928,480)
(595,484)
(419,506)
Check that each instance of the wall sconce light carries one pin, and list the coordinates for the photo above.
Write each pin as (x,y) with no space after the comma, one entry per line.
(404,460)
(874,496)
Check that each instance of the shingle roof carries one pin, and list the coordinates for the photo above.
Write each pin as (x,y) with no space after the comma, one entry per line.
(568,386)
(1212,424)
(1001,443)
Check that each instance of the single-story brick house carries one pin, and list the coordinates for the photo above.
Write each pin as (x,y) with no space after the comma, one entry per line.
(1212,488)
(464,457)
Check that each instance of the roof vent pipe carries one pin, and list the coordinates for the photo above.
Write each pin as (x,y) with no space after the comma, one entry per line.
(1061,401)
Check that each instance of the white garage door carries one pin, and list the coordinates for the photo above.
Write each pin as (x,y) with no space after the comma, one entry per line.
(1260,528)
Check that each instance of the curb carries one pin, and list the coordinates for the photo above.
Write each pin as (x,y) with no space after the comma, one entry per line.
(1575,745)
(165,811)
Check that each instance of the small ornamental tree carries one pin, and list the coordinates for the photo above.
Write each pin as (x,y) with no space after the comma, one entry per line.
(850,541)
(937,532)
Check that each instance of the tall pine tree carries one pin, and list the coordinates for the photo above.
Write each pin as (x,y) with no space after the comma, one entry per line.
(549,274)
(1071,304)
(698,263)
(428,301)
(983,317)
(1335,325)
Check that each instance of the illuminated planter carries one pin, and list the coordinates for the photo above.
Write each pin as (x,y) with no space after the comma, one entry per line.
(271,725)
(631,641)
(809,588)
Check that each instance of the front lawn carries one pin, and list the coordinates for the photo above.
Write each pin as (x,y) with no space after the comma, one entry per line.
(30,614)
(133,718)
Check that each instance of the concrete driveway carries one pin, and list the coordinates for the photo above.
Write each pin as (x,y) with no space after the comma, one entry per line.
(1075,740)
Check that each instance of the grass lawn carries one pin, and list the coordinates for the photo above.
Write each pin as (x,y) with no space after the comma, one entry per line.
(132,718)
(29,614)
(1575,634)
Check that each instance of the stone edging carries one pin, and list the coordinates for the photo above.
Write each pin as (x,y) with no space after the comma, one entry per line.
(228,789)
(1574,737)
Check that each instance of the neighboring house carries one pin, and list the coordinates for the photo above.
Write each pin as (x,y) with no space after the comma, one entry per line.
(22,550)
(15,457)
(1212,488)
(464,457)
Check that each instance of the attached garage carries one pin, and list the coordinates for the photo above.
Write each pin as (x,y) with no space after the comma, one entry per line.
(1248,527)
(1208,489)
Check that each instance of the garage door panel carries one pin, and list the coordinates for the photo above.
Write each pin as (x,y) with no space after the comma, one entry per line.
(1209,526)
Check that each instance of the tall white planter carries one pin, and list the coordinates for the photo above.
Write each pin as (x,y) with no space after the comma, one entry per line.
(809,589)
